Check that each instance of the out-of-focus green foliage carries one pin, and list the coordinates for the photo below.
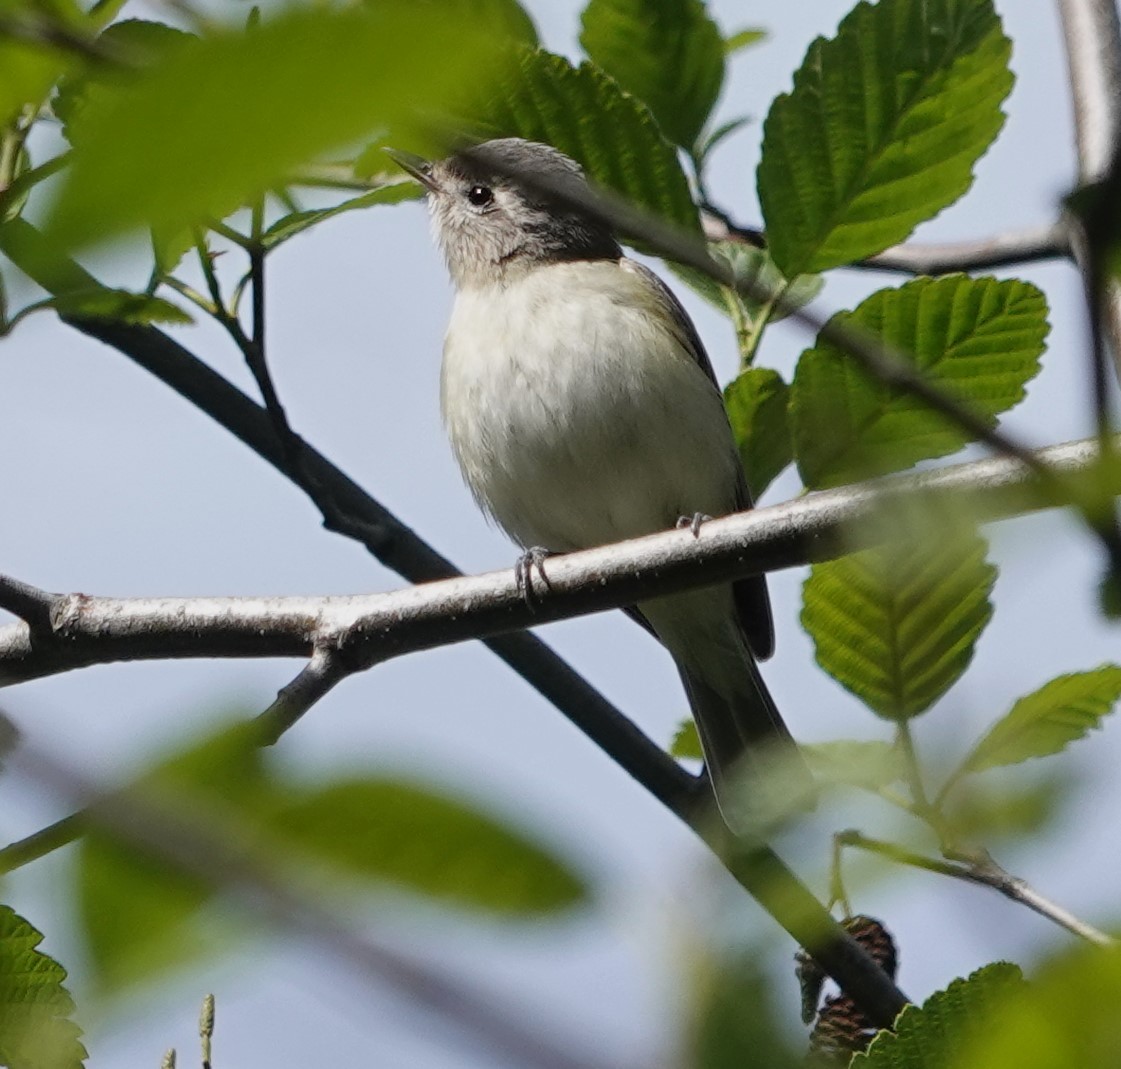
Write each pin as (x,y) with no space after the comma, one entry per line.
(35,1009)
(882,128)
(261,102)
(142,912)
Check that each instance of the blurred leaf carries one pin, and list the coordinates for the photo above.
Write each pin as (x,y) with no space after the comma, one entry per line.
(408,835)
(1049,719)
(882,129)
(1066,1017)
(977,812)
(35,1029)
(169,246)
(742,39)
(505,19)
(260,104)
(751,267)
(28,70)
(897,625)
(615,138)
(668,53)
(119,306)
(930,1036)
(869,766)
(13,199)
(81,95)
(142,914)
(298,222)
(733,1020)
(686,742)
(978,339)
(756,401)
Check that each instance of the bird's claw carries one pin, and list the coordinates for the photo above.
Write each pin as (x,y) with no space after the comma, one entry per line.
(532,560)
(693,522)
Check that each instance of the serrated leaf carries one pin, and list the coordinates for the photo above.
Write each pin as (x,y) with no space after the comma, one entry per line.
(686,742)
(427,843)
(120,306)
(668,53)
(930,1036)
(297,222)
(978,339)
(1048,720)
(585,114)
(882,128)
(756,401)
(867,765)
(897,625)
(35,1008)
(742,39)
(262,103)
(1066,1017)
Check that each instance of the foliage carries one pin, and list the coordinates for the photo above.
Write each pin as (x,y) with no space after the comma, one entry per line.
(882,129)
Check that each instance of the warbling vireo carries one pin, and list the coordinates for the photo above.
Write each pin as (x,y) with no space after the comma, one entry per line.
(583,409)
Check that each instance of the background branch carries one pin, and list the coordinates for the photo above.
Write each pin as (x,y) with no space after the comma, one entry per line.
(984,872)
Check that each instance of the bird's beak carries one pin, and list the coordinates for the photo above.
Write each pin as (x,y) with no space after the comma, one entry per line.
(415,165)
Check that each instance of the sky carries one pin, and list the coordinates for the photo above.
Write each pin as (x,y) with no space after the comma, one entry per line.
(114,485)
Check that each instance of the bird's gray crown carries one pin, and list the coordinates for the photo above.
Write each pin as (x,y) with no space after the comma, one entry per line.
(489,225)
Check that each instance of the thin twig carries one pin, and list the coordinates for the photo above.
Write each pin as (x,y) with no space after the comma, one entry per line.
(321,674)
(45,841)
(1013,248)
(984,872)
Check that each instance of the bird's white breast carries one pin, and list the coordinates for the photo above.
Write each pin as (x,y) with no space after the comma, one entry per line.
(575,419)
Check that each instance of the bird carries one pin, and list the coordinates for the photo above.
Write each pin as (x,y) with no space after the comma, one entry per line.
(582,410)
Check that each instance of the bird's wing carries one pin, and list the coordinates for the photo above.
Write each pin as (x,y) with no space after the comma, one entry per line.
(752,600)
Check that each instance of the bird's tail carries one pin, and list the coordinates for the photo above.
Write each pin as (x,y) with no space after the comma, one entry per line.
(758,774)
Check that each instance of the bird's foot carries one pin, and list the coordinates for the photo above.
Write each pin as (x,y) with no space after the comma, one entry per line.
(532,560)
(693,522)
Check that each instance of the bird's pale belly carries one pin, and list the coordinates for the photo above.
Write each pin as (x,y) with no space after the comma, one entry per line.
(569,445)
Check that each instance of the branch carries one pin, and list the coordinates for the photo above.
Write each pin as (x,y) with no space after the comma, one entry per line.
(1009,249)
(984,872)
(361,630)
(29,603)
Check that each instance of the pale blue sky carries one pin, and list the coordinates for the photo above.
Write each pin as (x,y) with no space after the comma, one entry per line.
(114,485)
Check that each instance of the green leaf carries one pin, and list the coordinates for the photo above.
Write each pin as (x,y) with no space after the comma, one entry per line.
(426,843)
(505,19)
(757,407)
(261,103)
(978,339)
(869,766)
(897,625)
(585,114)
(668,53)
(1048,720)
(976,811)
(882,128)
(81,95)
(686,742)
(298,222)
(35,1027)
(709,141)
(1066,1017)
(931,1036)
(120,306)
(742,39)
(29,70)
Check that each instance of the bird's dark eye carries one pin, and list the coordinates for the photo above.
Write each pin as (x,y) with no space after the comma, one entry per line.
(480,196)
